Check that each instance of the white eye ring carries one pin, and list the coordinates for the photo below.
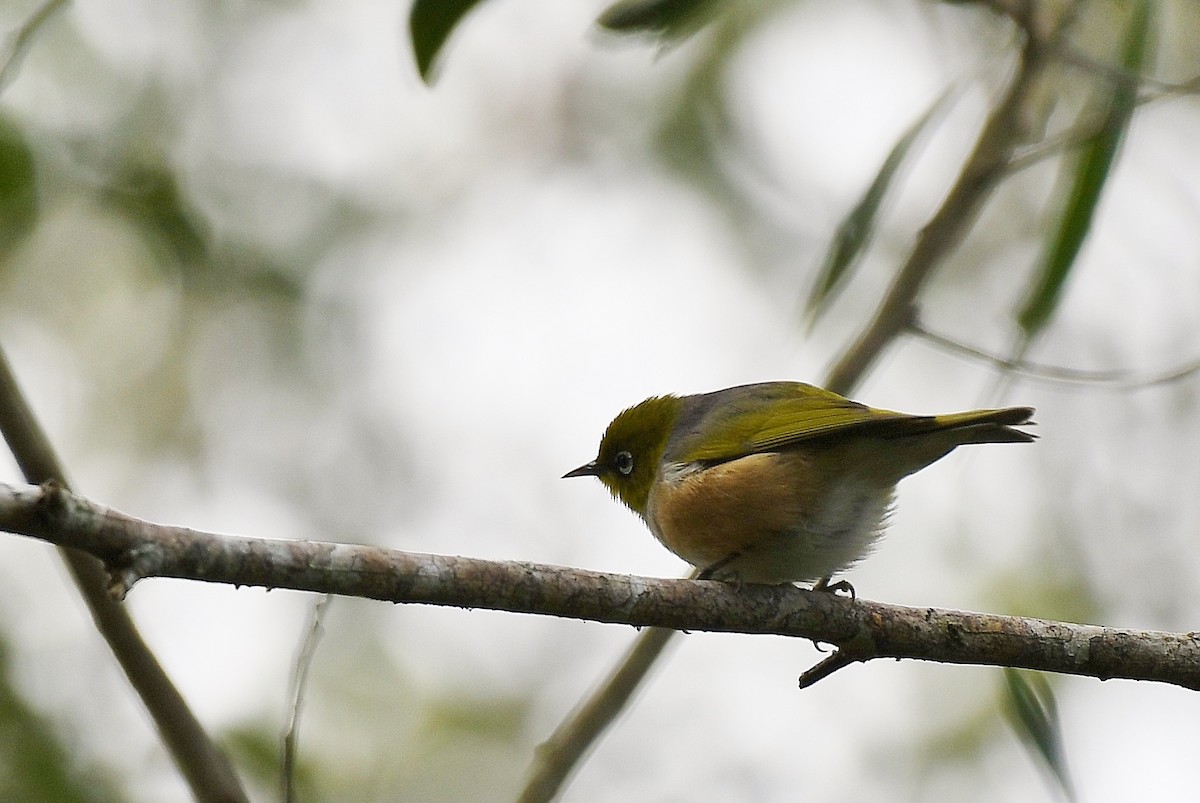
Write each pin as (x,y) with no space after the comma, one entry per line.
(624,463)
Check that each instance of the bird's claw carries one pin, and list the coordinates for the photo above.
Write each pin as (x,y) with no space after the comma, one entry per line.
(841,586)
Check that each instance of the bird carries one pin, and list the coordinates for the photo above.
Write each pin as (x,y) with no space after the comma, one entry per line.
(776,482)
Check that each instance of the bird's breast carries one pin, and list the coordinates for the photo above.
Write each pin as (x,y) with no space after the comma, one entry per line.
(767,517)
(703,514)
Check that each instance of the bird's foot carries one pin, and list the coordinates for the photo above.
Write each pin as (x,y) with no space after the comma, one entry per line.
(840,587)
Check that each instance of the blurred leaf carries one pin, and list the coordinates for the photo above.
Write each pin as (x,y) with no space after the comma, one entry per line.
(1093,169)
(18,192)
(452,718)
(150,196)
(35,766)
(668,19)
(1033,714)
(856,229)
(1054,584)
(255,750)
(17,43)
(430,23)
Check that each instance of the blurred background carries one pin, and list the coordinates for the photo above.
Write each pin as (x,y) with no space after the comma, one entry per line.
(257,277)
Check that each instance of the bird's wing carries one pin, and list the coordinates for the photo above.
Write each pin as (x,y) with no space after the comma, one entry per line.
(778,415)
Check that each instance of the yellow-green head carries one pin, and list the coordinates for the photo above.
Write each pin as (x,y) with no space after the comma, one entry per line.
(632,449)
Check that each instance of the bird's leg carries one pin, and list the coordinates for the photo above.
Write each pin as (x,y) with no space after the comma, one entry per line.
(710,571)
(825,585)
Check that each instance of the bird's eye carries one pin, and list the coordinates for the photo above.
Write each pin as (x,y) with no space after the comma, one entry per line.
(624,463)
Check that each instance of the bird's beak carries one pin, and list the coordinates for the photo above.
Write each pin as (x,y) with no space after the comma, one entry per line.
(591,469)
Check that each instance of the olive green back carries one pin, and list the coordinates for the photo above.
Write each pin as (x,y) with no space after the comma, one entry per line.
(732,423)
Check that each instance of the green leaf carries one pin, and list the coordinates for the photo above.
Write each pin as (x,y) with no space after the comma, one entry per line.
(1033,714)
(150,196)
(1092,172)
(18,190)
(430,23)
(856,229)
(663,18)
(38,764)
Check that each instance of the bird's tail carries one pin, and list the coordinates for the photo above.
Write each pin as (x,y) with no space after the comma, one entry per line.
(988,426)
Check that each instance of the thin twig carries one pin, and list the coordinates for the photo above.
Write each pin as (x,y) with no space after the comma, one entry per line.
(838,660)
(206,769)
(1081,133)
(23,38)
(1117,379)
(1117,74)
(556,757)
(985,168)
(304,661)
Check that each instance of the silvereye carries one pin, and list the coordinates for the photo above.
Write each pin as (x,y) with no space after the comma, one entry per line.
(776,482)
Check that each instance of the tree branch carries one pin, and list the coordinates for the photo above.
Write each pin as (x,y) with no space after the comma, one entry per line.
(133,549)
(1006,128)
(206,769)
(556,757)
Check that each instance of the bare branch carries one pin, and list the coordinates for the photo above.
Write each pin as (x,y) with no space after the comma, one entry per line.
(1007,127)
(862,630)
(291,734)
(206,769)
(839,660)
(1117,379)
(19,42)
(558,756)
